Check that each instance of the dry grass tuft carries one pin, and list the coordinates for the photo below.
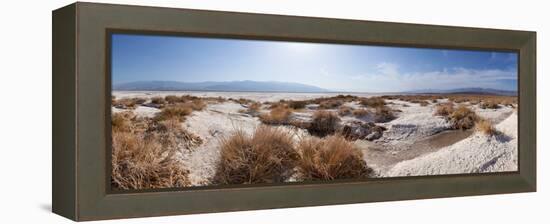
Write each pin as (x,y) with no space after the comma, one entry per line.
(171,99)
(383,114)
(329,159)
(268,156)
(323,123)
(121,121)
(486,127)
(373,102)
(360,112)
(143,152)
(330,103)
(279,115)
(173,136)
(444,109)
(297,104)
(158,100)
(344,111)
(424,103)
(463,118)
(140,162)
(489,104)
(180,110)
(176,111)
(128,103)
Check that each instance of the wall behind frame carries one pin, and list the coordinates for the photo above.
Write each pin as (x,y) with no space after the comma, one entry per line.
(26,131)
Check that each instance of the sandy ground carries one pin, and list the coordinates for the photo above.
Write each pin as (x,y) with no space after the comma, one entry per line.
(415,143)
(256,96)
(212,124)
(476,154)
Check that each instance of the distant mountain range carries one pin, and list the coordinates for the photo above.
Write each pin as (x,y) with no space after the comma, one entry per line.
(468,91)
(271,86)
(245,86)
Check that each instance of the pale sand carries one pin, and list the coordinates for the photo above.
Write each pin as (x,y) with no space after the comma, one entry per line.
(416,142)
(478,153)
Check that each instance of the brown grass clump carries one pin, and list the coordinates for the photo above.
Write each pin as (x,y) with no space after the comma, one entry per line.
(268,156)
(360,112)
(323,123)
(344,111)
(279,115)
(140,162)
(330,158)
(489,104)
(242,101)
(444,109)
(177,111)
(121,121)
(171,99)
(486,127)
(295,104)
(128,103)
(172,135)
(330,103)
(252,109)
(373,102)
(424,103)
(463,118)
(158,100)
(180,110)
(383,114)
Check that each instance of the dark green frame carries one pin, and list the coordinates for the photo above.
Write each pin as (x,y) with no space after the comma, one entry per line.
(81,105)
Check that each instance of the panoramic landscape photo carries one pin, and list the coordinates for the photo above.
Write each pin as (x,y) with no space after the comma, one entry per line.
(196,111)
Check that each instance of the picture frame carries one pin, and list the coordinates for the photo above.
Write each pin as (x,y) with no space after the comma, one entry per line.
(82,97)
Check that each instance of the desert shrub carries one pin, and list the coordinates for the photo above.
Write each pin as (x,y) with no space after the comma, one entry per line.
(444,109)
(197,104)
(140,162)
(346,98)
(279,115)
(424,103)
(486,127)
(463,118)
(128,103)
(323,123)
(252,109)
(373,102)
(158,100)
(176,111)
(172,135)
(297,104)
(360,112)
(329,159)
(330,103)
(489,104)
(268,156)
(344,111)
(383,114)
(121,121)
(242,101)
(172,99)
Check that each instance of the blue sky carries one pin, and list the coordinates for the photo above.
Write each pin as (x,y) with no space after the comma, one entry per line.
(337,67)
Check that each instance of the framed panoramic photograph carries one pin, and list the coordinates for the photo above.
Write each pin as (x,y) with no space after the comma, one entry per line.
(202,111)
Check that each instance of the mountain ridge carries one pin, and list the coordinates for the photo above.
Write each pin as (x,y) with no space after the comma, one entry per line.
(244,85)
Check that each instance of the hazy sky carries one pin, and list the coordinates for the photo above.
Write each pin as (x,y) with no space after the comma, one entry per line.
(331,66)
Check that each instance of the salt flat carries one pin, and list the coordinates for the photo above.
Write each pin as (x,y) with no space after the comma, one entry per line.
(415,143)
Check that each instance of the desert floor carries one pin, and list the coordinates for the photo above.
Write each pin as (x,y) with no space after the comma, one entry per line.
(415,143)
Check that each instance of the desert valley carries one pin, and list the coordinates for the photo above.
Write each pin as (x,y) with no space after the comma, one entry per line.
(200,138)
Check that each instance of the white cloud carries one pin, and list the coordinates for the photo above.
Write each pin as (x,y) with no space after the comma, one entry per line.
(388,78)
